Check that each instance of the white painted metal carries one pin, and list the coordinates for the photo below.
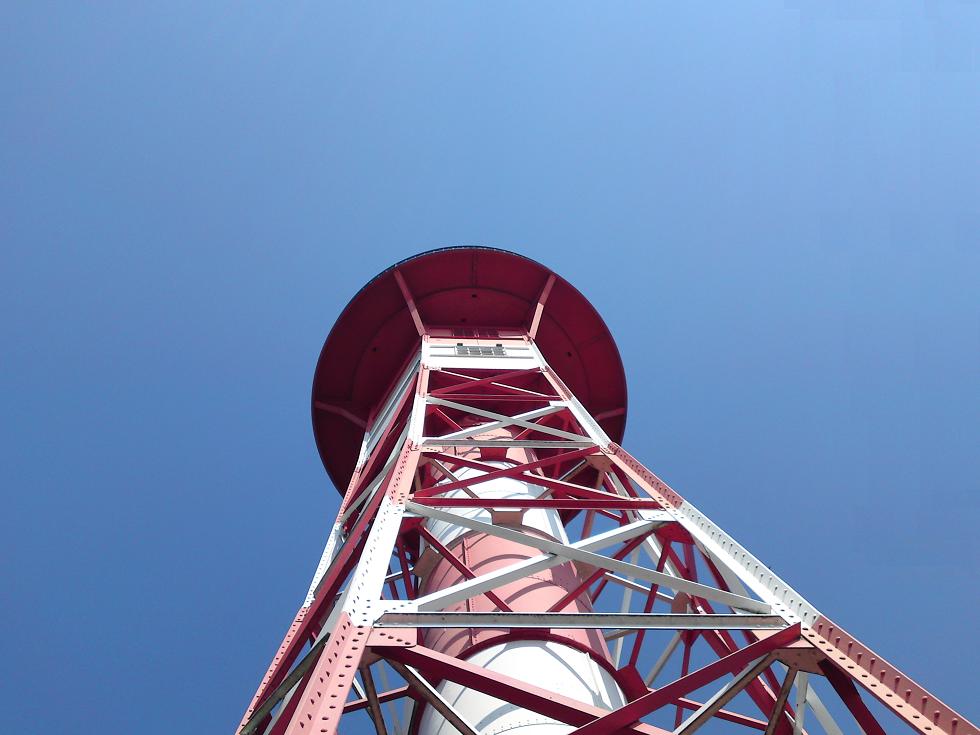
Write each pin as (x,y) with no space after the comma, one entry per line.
(274,720)
(517,356)
(446,530)
(624,608)
(552,665)
(518,443)
(726,551)
(329,551)
(433,697)
(606,621)
(584,418)
(574,553)
(802,685)
(386,414)
(442,598)
(542,663)
(636,586)
(492,425)
(397,725)
(661,662)
(524,420)
(820,711)
(827,722)
(336,540)
(547,663)
(706,711)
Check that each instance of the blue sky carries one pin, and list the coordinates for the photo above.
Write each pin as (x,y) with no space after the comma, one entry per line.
(775,205)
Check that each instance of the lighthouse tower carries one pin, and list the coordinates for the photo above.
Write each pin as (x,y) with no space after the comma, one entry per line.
(501,565)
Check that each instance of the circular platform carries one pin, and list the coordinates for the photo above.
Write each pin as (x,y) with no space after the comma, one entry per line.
(466,288)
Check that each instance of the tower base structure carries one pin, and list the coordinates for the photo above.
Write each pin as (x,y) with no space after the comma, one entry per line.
(500,564)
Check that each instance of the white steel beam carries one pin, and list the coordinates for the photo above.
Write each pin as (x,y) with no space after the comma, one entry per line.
(724,549)
(505,420)
(662,661)
(431,695)
(597,560)
(624,608)
(275,717)
(802,685)
(380,423)
(724,695)
(584,418)
(517,443)
(636,586)
(525,420)
(492,425)
(392,708)
(604,621)
(827,722)
(336,540)
(464,590)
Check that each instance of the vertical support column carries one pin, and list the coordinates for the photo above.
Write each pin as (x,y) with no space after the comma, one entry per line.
(323,701)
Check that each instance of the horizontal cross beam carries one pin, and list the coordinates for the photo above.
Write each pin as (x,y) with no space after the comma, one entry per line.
(633,621)
(553,503)
(597,560)
(464,590)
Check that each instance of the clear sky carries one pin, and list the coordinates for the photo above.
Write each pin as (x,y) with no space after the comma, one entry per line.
(775,205)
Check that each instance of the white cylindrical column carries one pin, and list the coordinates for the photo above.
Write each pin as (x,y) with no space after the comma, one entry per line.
(548,663)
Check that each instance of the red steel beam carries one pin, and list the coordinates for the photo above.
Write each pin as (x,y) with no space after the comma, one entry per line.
(496,381)
(322,703)
(592,578)
(460,567)
(557,503)
(642,706)
(493,473)
(897,691)
(849,695)
(389,696)
(724,714)
(438,666)
(410,301)
(341,566)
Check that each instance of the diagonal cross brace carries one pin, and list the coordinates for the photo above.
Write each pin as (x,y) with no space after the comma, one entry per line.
(505,420)
(438,666)
(559,620)
(492,473)
(657,698)
(528,417)
(465,590)
(577,553)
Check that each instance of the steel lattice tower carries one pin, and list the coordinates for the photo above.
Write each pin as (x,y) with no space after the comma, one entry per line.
(500,564)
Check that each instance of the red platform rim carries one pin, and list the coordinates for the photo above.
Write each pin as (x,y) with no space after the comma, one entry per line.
(466,287)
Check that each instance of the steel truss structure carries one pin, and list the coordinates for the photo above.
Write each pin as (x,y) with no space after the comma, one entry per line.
(695,631)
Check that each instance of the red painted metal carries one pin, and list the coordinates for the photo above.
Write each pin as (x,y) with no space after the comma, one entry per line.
(383,697)
(849,694)
(481,298)
(559,503)
(584,585)
(614,721)
(898,692)
(522,693)
(494,473)
(463,289)
(460,567)
(322,702)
